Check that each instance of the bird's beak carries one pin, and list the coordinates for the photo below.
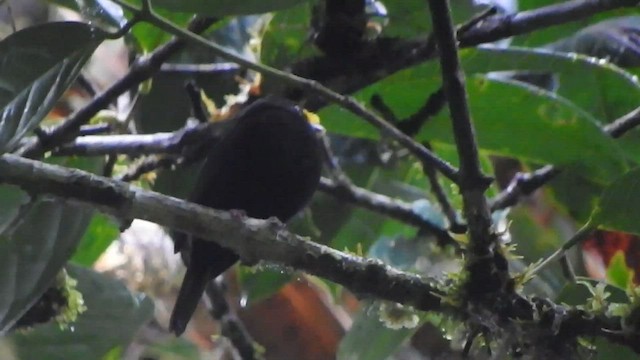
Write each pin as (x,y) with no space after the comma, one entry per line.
(314,120)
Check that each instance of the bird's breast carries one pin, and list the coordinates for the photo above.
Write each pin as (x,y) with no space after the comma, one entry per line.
(265,177)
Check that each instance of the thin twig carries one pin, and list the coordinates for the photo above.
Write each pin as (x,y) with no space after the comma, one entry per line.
(341,187)
(382,204)
(523,184)
(136,145)
(578,237)
(434,104)
(148,165)
(195,97)
(97,129)
(624,124)
(411,126)
(503,26)
(231,326)
(455,226)
(217,68)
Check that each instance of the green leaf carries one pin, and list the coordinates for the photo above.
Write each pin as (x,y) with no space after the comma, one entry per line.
(113,317)
(371,339)
(514,119)
(101,232)
(261,283)
(224,7)
(37,238)
(288,37)
(618,208)
(510,118)
(113,354)
(149,37)
(578,293)
(597,86)
(618,273)
(34,250)
(12,200)
(576,193)
(536,240)
(571,135)
(606,350)
(37,67)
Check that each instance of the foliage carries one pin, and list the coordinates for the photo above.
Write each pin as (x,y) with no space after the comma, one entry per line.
(544,97)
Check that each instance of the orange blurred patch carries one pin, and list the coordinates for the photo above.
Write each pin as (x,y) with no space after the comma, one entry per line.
(296,323)
(599,249)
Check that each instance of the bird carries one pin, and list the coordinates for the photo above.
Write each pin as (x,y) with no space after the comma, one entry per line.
(268,164)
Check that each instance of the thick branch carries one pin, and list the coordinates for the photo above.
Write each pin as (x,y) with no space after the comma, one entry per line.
(165,143)
(471,181)
(252,239)
(268,240)
(175,142)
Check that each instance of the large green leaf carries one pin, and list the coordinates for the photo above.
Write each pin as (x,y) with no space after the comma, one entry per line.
(37,237)
(608,92)
(576,193)
(287,39)
(510,118)
(514,119)
(37,65)
(113,317)
(618,208)
(597,86)
(606,350)
(101,232)
(31,256)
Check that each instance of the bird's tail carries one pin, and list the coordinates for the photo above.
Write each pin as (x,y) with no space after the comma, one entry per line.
(205,265)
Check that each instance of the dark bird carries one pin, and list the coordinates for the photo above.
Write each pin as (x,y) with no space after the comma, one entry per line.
(268,164)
